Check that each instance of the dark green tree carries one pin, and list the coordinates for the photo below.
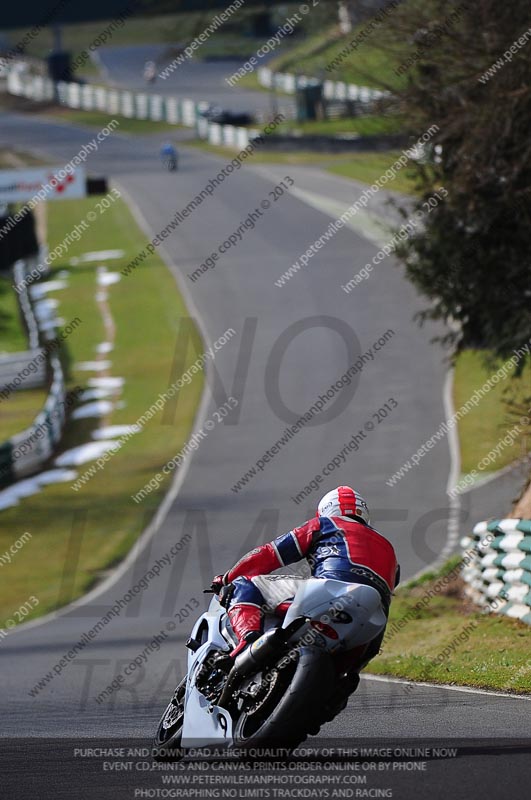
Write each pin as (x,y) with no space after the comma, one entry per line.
(472,259)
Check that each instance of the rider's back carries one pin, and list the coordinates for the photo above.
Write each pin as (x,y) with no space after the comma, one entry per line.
(342,549)
(168,150)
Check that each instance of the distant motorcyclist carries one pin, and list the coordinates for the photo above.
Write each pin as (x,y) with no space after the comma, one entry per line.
(150,71)
(168,155)
(339,544)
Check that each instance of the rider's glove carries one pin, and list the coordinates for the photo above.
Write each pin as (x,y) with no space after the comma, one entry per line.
(217,584)
(225,595)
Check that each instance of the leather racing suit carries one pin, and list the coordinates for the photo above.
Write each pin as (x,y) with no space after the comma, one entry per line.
(342,548)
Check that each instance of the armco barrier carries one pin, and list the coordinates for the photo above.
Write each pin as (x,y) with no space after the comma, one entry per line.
(137,105)
(332,90)
(499,575)
(12,365)
(24,453)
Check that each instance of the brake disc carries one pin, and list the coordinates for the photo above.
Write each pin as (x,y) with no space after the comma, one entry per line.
(265,689)
(171,716)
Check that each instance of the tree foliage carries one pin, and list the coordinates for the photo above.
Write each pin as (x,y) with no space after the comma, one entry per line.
(473,257)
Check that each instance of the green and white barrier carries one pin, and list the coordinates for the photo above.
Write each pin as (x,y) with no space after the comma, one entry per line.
(498,577)
(24,370)
(26,452)
(134,105)
(332,90)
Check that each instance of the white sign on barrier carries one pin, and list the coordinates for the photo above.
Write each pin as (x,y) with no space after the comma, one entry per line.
(20,185)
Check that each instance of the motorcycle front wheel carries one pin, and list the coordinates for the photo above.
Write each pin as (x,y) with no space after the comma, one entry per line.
(288,701)
(167,741)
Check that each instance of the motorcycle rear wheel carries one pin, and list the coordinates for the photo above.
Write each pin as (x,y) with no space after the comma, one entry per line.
(291,707)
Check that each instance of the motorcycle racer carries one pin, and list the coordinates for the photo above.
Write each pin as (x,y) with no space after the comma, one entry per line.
(338,543)
(168,155)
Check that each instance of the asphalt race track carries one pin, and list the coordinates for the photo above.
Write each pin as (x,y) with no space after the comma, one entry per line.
(198,80)
(219,524)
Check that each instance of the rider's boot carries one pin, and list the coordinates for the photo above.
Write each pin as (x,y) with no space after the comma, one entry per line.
(246,621)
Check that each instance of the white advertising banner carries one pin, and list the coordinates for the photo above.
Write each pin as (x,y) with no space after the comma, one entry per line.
(41,183)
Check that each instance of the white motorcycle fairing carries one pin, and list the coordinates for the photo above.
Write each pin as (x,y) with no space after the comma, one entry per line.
(353,610)
(204,723)
(339,616)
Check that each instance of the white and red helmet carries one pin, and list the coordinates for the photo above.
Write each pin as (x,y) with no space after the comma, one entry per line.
(343,502)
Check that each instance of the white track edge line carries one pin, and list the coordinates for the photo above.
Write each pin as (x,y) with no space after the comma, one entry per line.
(493,476)
(452,530)
(428,684)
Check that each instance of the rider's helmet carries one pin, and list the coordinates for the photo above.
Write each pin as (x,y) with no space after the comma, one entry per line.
(343,502)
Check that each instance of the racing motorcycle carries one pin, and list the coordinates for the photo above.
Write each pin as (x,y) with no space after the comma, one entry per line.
(284,685)
(170,163)
(150,72)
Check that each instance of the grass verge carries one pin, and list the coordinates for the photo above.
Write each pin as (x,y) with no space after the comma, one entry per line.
(367,65)
(363,167)
(19,410)
(363,125)
(368,167)
(136,30)
(98,119)
(490,651)
(487,424)
(76,536)
(13,337)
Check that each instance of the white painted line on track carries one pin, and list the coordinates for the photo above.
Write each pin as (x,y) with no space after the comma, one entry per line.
(466,689)
(493,476)
(452,530)
(452,537)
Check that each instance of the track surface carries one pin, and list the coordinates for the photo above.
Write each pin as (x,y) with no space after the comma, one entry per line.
(408,368)
(198,80)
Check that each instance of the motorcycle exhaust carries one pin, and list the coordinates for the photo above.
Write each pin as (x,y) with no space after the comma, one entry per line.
(264,649)
(259,655)
(260,652)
